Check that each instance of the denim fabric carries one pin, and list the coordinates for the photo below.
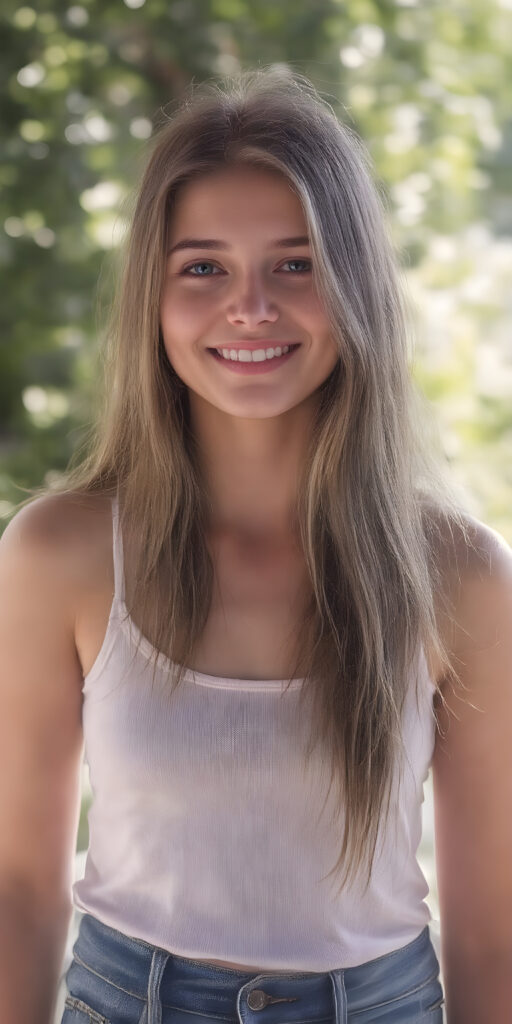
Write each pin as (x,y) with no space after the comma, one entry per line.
(115,979)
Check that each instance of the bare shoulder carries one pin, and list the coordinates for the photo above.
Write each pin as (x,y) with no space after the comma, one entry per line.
(69,533)
(58,519)
(56,516)
(466,547)
(477,570)
(486,562)
(474,562)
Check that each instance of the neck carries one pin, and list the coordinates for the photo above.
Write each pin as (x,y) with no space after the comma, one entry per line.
(251,467)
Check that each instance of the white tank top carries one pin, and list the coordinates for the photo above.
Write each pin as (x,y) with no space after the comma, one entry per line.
(203,830)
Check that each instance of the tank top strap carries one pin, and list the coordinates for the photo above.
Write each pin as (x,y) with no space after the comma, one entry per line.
(117,546)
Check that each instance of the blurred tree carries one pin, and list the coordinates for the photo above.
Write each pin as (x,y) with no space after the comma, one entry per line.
(427,86)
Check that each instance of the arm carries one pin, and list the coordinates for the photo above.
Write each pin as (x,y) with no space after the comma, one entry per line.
(40,758)
(472,779)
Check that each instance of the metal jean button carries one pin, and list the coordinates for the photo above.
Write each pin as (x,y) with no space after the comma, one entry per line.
(258,999)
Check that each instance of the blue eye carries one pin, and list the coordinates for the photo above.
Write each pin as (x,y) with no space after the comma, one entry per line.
(308,267)
(200,263)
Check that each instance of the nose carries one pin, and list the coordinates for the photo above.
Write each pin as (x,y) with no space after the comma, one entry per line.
(250,303)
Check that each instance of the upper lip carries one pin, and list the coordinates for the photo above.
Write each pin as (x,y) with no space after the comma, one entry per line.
(253,345)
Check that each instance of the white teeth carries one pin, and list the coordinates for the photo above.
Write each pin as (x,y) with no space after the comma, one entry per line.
(244,355)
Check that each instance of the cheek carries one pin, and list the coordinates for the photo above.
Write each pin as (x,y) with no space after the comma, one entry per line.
(308,302)
(178,315)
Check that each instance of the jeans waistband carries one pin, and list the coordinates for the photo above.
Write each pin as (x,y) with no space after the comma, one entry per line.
(148,972)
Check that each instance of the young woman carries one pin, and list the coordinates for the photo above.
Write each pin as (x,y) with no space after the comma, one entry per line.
(260,606)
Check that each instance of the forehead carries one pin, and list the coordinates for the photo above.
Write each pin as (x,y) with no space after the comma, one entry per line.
(227,196)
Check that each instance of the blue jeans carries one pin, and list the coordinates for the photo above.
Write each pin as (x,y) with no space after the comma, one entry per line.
(115,979)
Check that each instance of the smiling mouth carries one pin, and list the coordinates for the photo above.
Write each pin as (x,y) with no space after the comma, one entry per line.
(249,365)
(257,355)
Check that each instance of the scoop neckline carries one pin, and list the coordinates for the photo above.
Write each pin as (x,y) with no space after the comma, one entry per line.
(194,675)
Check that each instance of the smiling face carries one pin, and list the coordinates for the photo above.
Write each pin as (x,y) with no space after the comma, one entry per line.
(244,280)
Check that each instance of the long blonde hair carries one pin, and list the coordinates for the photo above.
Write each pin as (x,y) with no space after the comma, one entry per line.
(373,497)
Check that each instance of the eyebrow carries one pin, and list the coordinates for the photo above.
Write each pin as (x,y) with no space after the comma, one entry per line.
(215,243)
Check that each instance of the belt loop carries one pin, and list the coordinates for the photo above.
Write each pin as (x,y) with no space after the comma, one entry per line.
(340,997)
(158,963)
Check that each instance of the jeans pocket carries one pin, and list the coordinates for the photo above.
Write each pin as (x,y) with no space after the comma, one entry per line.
(418,1004)
(78,1012)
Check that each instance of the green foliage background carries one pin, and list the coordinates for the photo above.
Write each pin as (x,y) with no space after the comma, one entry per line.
(426,84)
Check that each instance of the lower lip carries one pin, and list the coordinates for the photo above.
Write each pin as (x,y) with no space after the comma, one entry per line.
(265,366)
